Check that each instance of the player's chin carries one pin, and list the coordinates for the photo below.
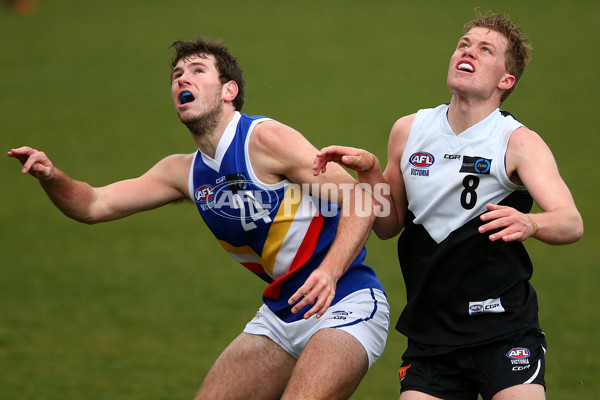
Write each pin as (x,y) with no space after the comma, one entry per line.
(187,117)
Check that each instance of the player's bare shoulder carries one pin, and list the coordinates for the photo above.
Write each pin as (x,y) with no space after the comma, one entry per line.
(277,151)
(524,137)
(272,137)
(402,125)
(524,146)
(399,135)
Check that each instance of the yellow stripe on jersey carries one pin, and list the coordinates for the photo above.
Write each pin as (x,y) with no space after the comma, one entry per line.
(276,236)
(239,251)
(280,226)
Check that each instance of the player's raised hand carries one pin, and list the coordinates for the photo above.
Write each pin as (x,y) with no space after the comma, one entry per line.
(357,159)
(34,162)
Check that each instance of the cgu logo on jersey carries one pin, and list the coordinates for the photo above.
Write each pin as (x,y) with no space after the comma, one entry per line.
(518,353)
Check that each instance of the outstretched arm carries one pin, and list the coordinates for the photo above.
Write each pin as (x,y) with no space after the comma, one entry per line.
(163,183)
(368,172)
(530,162)
(387,187)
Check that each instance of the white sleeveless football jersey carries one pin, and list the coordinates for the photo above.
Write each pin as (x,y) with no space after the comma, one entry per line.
(443,171)
(461,287)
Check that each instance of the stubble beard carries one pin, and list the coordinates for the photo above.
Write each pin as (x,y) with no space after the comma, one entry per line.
(205,124)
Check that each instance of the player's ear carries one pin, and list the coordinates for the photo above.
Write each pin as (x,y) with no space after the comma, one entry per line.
(230,91)
(507,82)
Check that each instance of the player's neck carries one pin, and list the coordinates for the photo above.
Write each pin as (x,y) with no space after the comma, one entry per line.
(464,113)
(209,139)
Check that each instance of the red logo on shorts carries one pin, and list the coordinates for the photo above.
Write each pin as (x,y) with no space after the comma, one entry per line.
(402,371)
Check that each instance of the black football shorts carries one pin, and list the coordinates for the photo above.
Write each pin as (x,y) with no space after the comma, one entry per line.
(461,373)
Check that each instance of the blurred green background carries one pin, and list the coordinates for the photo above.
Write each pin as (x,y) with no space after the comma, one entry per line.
(140,308)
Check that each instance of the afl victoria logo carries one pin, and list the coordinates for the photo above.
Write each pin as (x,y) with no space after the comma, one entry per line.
(204,193)
(518,353)
(422,159)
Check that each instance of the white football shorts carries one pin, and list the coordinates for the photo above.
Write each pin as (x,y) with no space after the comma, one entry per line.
(365,314)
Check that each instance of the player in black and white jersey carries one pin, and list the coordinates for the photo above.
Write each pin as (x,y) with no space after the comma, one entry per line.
(462,178)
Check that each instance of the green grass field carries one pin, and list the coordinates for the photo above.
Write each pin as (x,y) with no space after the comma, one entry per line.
(140,308)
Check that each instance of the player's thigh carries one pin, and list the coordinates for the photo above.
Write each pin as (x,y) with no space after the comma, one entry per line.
(330,367)
(252,366)
(526,391)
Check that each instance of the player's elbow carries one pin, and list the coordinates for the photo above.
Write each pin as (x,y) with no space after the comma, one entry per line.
(387,227)
(89,215)
(87,219)
(575,229)
(578,229)
(385,234)
(569,233)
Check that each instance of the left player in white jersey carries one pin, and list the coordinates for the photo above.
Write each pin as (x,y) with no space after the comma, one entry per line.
(296,346)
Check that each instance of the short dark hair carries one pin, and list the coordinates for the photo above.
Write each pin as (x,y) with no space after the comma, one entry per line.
(226,64)
(517,53)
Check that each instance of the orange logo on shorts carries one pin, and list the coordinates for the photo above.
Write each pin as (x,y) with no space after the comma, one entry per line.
(402,371)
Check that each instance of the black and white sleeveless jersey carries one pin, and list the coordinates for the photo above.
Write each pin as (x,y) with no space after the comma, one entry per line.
(461,287)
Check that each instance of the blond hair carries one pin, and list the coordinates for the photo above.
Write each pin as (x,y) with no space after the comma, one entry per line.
(517,53)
